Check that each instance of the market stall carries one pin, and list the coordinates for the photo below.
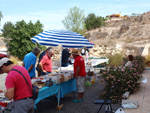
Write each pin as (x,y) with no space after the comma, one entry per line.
(67,39)
(97,63)
(93,64)
(58,84)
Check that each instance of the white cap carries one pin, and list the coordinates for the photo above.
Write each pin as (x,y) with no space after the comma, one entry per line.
(3,61)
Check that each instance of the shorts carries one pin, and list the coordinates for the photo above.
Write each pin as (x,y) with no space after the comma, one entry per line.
(80,84)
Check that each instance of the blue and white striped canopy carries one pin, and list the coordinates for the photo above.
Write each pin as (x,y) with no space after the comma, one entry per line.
(67,39)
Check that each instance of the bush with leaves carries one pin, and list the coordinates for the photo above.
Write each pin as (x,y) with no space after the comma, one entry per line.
(115,59)
(7,29)
(123,80)
(92,21)
(20,37)
(74,21)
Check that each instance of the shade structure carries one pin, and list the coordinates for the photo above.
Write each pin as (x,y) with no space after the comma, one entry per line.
(67,39)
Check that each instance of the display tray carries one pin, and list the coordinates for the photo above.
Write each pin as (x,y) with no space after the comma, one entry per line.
(39,85)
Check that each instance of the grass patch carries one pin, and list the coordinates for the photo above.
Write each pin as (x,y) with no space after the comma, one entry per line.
(14,60)
(147,60)
(115,59)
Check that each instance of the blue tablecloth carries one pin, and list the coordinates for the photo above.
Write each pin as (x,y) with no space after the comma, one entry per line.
(59,89)
(67,87)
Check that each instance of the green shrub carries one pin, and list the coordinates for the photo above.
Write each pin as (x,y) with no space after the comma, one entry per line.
(123,79)
(115,59)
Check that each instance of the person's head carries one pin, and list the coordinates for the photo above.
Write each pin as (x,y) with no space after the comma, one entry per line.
(84,47)
(47,49)
(36,51)
(75,52)
(4,63)
(130,57)
(50,52)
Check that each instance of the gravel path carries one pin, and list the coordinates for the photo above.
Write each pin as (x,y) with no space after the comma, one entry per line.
(92,93)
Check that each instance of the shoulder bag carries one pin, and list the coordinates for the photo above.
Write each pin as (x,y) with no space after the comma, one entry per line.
(35,89)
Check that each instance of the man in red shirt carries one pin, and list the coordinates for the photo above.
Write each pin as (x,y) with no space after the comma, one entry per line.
(17,88)
(46,62)
(79,73)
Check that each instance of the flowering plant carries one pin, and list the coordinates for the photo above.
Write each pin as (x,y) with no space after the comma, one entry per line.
(123,80)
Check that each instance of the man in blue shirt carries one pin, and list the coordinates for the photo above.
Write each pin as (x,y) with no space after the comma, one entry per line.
(30,61)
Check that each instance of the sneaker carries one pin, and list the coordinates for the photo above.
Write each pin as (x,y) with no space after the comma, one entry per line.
(77,101)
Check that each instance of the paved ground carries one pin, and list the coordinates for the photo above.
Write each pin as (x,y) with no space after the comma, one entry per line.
(87,106)
(92,93)
(142,96)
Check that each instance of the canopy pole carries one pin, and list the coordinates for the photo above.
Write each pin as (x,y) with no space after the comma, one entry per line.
(60,60)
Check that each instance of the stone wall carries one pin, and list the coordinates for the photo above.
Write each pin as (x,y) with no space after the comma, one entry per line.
(97,51)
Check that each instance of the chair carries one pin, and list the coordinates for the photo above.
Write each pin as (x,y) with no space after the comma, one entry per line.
(105,101)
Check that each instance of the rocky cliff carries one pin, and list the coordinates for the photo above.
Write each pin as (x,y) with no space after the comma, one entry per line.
(130,30)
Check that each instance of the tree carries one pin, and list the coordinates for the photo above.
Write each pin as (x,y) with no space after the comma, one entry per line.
(1,16)
(74,21)
(20,37)
(92,21)
(7,29)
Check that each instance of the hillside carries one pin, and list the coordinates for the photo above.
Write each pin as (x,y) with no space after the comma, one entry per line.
(130,30)
(127,36)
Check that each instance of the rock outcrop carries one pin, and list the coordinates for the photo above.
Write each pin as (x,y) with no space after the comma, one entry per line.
(133,29)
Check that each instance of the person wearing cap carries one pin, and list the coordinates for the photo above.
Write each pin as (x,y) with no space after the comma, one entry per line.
(17,88)
(29,61)
(2,56)
(79,73)
(46,62)
(38,68)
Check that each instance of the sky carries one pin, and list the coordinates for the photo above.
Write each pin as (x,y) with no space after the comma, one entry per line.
(52,12)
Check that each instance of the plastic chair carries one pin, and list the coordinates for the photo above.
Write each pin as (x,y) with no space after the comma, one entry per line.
(106,101)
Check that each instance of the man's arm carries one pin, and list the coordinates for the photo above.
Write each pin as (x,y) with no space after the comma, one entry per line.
(77,72)
(30,68)
(9,93)
(41,65)
(23,65)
